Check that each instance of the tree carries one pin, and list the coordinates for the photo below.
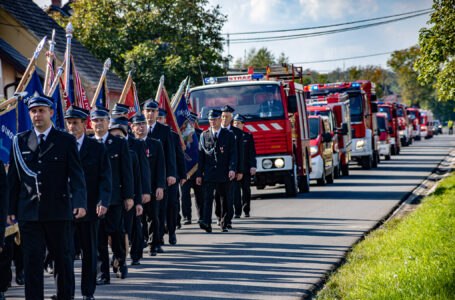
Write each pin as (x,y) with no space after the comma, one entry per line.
(437,46)
(174,38)
(282,59)
(260,59)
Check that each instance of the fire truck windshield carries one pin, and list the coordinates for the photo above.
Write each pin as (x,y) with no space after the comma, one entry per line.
(381,124)
(254,102)
(400,112)
(314,128)
(356,104)
(386,109)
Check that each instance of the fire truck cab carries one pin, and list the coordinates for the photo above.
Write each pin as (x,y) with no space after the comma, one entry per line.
(390,110)
(404,125)
(426,124)
(385,148)
(414,117)
(275,110)
(322,164)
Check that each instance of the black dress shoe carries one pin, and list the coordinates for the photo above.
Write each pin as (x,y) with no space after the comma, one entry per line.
(247,215)
(20,278)
(187,222)
(206,227)
(161,242)
(152,251)
(224,229)
(54,297)
(2,296)
(122,272)
(179,226)
(159,249)
(229,226)
(236,216)
(102,281)
(173,239)
(88,298)
(135,262)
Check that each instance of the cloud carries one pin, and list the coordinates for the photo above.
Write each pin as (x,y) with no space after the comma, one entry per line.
(336,9)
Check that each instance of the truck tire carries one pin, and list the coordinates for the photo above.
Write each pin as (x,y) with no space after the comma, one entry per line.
(345,170)
(387,157)
(367,162)
(338,171)
(375,160)
(321,181)
(304,181)
(418,138)
(410,141)
(398,150)
(290,184)
(393,150)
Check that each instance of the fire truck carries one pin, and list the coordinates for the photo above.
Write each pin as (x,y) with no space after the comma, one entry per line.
(336,108)
(426,124)
(275,110)
(404,125)
(390,110)
(414,117)
(365,140)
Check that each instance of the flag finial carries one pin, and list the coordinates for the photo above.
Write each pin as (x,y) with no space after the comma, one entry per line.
(107,63)
(39,47)
(69,28)
(162,79)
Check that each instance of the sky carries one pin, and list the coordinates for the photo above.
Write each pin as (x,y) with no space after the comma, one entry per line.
(259,15)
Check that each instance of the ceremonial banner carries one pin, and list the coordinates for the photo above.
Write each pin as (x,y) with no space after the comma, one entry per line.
(59,116)
(132,101)
(33,88)
(76,92)
(103,96)
(8,130)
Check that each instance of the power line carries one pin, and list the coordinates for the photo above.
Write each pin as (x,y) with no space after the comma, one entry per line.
(319,33)
(332,25)
(341,59)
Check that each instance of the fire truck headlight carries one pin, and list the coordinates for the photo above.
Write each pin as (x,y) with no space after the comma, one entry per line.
(267,163)
(313,150)
(359,144)
(279,163)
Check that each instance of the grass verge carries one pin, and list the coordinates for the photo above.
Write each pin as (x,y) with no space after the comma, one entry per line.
(408,258)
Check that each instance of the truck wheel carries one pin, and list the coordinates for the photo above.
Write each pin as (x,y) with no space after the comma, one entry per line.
(375,160)
(410,141)
(366,162)
(417,138)
(304,181)
(398,150)
(345,170)
(393,150)
(338,170)
(329,178)
(291,183)
(387,157)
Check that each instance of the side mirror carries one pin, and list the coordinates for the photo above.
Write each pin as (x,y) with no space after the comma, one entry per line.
(390,130)
(326,137)
(292,104)
(344,128)
(374,107)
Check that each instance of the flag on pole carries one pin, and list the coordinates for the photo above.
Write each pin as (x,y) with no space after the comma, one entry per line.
(182,114)
(8,131)
(59,116)
(132,101)
(103,96)
(76,93)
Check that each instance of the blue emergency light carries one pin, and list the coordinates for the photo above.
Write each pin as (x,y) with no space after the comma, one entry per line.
(315,87)
(355,84)
(210,80)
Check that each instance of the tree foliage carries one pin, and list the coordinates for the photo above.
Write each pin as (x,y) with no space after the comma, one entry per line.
(437,45)
(161,37)
(260,59)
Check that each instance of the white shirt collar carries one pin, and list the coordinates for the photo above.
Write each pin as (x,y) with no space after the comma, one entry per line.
(104,137)
(227,127)
(80,141)
(46,133)
(150,127)
(215,133)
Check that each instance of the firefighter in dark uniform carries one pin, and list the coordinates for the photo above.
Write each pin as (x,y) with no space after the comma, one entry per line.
(122,110)
(216,169)
(163,134)
(157,166)
(249,167)
(234,188)
(121,198)
(191,184)
(46,191)
(173,190)
(98,180)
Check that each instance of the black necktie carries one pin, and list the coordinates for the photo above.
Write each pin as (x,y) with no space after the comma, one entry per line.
(41,141)
(100,140)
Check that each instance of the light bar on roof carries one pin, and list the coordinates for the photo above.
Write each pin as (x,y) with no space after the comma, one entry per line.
(355,84)
(246,77)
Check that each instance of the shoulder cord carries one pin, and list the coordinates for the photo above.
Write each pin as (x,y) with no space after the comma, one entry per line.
(18,158)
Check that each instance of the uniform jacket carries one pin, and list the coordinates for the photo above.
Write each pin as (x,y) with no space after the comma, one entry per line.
(238,140)
(249,151)
(139,147)
(98,176)
(163,134)
(122,170)
(179,156)
(60,175)
(215,167)
(136,177)
(155,157)
(3,201)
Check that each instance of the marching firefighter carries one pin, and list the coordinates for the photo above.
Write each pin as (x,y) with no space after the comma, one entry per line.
(249,168)
(216,169)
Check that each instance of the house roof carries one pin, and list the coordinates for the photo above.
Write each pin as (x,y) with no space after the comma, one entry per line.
(37,22)
(20,62)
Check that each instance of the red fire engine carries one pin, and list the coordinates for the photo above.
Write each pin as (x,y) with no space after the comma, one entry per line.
(404,125)
(390,110)
(365,140)
(414,116)
(275,109)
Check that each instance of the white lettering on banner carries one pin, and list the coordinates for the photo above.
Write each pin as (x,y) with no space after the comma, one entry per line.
(7,131)
(240,77)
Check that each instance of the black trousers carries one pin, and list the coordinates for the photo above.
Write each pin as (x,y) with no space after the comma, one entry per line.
(6,257)
(162,214)
(152,222)
(230,197)
(172,208)
(222,189)
(186,199)
(245,185)
(88,241)
(111,225)
(137,238)
(56,235)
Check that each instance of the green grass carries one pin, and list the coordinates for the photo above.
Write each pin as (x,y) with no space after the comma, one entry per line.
(409,258)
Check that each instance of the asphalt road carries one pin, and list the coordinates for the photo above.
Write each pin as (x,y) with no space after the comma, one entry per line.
(285,247)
